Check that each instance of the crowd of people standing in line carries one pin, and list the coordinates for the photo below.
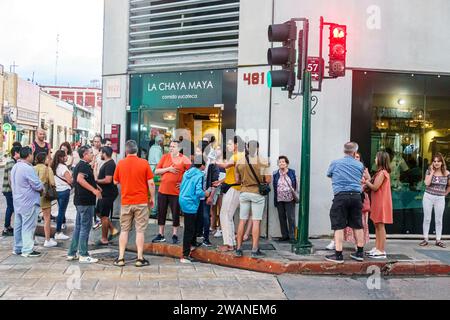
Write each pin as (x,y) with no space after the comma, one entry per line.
(200,185)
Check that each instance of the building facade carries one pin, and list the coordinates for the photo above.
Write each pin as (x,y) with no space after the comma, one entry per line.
(394,95)
(87,105)
(56,118)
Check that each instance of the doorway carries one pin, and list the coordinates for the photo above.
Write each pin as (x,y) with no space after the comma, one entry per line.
(190,123)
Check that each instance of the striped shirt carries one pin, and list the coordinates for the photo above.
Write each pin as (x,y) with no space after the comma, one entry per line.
(438,186)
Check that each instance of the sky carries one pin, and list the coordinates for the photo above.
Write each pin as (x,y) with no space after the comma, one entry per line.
(28,32)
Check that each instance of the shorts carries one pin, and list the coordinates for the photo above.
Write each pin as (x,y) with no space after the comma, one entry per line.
(165,201)
(105,207)
(346,211)
(254,202)
(137,213)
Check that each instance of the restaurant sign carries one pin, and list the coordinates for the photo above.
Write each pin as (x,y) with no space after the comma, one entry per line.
(179,89)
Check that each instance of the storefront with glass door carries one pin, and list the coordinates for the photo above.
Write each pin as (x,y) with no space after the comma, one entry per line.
(407,115)
(181,104)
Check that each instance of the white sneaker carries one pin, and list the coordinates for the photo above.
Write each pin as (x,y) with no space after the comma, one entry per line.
(50,243)
(61,236)
(377,254)
(88,259)
(331,246)
(72,258)
(218,234)
(371,251)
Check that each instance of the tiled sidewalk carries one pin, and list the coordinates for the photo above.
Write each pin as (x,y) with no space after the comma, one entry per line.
(51,277)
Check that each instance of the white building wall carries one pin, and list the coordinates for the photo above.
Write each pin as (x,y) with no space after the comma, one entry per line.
(401,35)
(115,65)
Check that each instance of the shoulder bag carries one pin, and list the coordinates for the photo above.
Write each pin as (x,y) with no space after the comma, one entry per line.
(263,188)
(294,193)
(63,179)
(49,190)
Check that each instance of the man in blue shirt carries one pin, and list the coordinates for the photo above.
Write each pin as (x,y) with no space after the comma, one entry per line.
(346,175)
(26,188)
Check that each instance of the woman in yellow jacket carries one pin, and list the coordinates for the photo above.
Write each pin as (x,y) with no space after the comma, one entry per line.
(45,174)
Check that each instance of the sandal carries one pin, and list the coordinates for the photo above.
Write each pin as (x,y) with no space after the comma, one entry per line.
(225,248)
(440,244)
(119,262)
(423,243)
(142,262)
(100,243)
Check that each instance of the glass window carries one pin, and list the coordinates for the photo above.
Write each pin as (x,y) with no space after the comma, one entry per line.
(155,123)
(408,116)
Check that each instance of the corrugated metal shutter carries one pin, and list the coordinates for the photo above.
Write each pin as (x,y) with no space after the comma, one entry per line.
(172,35)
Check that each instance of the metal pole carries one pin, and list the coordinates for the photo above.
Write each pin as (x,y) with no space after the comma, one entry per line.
(303,245)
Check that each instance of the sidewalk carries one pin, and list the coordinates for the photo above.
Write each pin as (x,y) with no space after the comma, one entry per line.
(405,257)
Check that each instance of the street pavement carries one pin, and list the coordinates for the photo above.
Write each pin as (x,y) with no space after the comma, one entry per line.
(51,277)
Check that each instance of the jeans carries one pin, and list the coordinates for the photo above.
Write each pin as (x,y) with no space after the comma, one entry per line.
(24,229)
(9,209)
(63,202)
(189,238)
(206,221)
(199,220)
(83,225)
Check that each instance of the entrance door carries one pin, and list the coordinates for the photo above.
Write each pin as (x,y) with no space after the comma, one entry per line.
(200,122)
(173,123)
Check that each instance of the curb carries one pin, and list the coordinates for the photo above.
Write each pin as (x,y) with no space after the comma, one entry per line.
(386,268)
(271,266)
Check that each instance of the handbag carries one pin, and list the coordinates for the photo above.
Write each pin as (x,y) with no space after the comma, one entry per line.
(366,203)
(263,188)
(50,193)
(294,193)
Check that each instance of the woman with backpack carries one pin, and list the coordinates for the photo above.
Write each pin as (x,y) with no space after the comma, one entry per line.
(63,179)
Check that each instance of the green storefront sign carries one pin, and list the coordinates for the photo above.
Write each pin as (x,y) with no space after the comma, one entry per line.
(176,89)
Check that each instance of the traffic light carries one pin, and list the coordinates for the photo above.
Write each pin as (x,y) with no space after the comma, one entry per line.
(338,50)
(284,56)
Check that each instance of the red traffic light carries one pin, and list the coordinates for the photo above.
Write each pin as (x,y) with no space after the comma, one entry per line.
(338,32)
(337,50)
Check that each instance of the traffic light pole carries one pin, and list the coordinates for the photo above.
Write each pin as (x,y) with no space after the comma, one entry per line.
(303,245)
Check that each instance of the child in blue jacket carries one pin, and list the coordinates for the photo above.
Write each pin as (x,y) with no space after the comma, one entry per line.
(191,191)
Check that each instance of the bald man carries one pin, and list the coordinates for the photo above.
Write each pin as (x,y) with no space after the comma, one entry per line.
(40,145)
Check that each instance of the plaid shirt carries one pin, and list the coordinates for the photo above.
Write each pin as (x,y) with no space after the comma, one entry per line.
(7,175)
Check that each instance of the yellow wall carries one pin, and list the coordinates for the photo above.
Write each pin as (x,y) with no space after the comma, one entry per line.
(11,89)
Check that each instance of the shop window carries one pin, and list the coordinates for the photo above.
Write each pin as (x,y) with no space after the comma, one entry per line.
(153,123)
(408,116)
(188,124)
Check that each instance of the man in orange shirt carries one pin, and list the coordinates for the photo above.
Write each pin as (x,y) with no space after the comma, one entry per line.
(136,179)
(171,167)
